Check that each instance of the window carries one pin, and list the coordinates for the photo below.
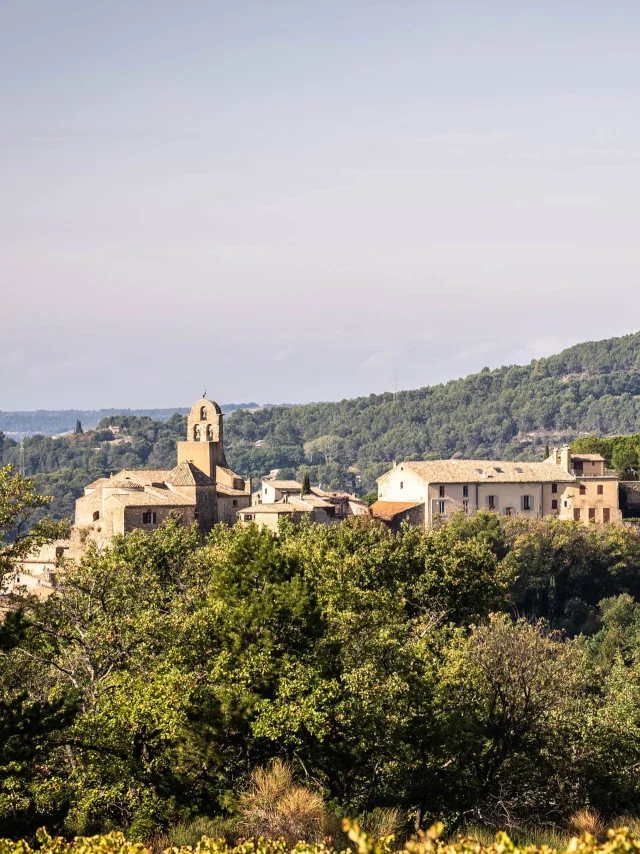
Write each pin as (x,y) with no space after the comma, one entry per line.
(441,508)
(465,505)
(491,502)
(554,487)
(583,489)
(576,514)
(566,503)
(441,492)
(149,517)
(465,491)
(600,489)
(507,511)
(554,504)
(235,502)
(96,515)
(527,502)
(203,413)
(606,514)
(499,470)
(401,485)
(592,514)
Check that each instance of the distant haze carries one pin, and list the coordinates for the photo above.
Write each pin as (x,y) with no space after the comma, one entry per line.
(301,201)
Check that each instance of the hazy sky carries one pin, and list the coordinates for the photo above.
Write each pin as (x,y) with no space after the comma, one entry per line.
(293,201)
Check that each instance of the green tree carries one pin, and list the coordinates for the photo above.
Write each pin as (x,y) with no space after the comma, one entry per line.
(306,484)
(625,460)
(22,528)
(78,428)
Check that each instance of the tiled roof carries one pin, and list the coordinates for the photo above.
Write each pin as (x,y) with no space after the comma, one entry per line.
(485,471)
(596,458)
(95,483)
(153,498)
(145,476)
(222,489)
(310,501)
(122,483)
(279,507)
(286,485)
(388,510)
(186,474)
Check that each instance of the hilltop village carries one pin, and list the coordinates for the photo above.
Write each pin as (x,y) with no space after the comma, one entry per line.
(202,489)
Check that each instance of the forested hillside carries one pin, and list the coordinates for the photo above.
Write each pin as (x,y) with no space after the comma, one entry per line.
(511,412)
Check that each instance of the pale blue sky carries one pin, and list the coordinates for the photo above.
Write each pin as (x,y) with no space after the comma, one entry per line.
(292,201)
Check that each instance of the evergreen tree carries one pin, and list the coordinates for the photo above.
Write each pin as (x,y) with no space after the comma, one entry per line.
(306,484)
(78,428)
(547,452)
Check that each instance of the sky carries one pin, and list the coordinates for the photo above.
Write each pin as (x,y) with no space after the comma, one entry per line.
(312,200)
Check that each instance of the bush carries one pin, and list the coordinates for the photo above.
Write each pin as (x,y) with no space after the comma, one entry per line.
(617,842)
(274,806)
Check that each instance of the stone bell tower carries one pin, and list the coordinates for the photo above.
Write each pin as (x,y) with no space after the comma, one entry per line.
(204,447)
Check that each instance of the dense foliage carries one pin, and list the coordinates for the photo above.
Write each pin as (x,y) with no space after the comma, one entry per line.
(620,841)
(507,413)
(487,670)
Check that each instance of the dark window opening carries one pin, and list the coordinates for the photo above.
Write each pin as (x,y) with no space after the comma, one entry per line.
(96,515)
(600,489)
(554,487)
(149,517)
(526,502)
(583,489)
(442,492)
(203,413)
(592,514)
(465,491)
(576,514)
(554,504)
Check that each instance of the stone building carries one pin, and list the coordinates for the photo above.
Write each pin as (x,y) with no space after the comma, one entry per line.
(200,488)
(565,485)
(283,498)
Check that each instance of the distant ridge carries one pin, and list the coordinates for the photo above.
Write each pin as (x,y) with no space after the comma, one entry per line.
(52,422)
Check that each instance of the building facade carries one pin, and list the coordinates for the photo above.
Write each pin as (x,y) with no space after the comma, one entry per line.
(565,485)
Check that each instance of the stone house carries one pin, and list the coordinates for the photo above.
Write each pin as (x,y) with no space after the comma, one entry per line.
(565,485)
(283,498)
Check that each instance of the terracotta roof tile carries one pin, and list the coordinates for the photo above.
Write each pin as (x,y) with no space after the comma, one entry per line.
(388,510)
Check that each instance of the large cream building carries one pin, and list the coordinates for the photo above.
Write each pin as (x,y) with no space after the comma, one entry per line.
(565,485)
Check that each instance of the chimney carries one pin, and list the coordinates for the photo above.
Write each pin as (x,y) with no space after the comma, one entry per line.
(565,458)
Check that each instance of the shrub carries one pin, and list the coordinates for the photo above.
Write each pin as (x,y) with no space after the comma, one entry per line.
(274,806)
(587,821)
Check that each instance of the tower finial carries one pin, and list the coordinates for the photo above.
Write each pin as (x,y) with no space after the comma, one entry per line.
(204,394)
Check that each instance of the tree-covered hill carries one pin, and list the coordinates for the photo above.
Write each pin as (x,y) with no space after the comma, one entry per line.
(511,412)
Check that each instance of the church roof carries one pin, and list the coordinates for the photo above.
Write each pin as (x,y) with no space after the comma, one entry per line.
(153,498)
(187,474)
(122,482)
